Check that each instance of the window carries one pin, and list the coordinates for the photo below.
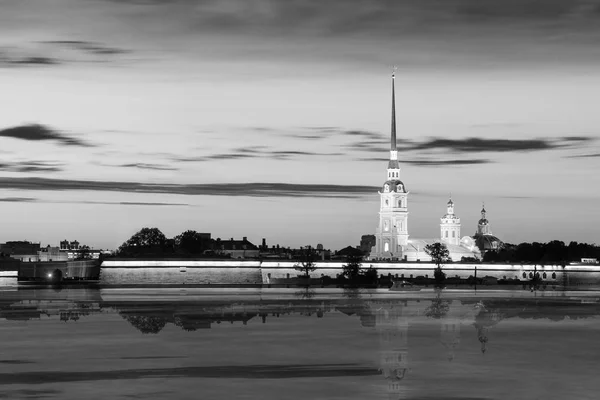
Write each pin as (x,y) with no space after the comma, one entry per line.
(446,233)
(554,275)
(524,275)
(453,234)
(544,275)
(387,202)
(386,246)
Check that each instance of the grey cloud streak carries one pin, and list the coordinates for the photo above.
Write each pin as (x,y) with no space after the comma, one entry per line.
(30,166)
(257,189)
(476,144)
(37,132)
(254,152)
(118,203)
(433,162)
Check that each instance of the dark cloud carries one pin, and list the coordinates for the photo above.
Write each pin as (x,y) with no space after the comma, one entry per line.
(254,152)
(365,134)
(592,155)
(36,132)
(17,199)
(381,17)
(89,47)
(30,166)
(475,144)
(148,166)
(24,61)
(258,189)
(433,162)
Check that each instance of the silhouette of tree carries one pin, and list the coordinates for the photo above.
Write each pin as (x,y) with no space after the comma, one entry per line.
(145,324)
(307,261)
(351,270)
(190,242)
(439,255)
(147,240)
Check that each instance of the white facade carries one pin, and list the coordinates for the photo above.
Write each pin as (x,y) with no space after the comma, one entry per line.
(450,226)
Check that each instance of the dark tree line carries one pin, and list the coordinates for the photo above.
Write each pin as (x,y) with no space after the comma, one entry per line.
(543,253)
(152,242)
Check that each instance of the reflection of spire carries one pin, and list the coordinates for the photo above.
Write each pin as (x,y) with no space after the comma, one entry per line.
(450,331)
(484,320)
(392,326)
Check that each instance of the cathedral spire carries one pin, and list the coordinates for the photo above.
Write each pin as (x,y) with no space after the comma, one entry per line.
(393,143)
(393,166)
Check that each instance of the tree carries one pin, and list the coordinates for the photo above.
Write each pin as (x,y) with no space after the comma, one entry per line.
(439,255)
(191,242)
(352,269)
(147,240)
(307,261)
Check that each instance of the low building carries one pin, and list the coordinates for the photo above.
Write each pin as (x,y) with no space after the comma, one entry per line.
(236,248)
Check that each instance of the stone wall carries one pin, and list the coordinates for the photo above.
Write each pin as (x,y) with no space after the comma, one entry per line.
(256,272)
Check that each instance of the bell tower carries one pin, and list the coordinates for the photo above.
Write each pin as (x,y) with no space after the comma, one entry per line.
(483,226)
(450,226)
(391,236)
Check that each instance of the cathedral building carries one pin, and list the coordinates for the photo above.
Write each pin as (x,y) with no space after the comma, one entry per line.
(392,240)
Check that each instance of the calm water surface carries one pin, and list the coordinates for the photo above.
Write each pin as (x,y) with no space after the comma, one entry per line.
(297,344)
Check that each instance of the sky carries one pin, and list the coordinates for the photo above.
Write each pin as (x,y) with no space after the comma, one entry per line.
(271,118)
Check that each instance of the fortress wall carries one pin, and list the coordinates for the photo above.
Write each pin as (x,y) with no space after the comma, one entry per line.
(256,272)
(180,275)
(282,269)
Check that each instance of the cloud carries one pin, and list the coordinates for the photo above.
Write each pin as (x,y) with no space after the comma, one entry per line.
(148,166)
(258,189)
(593,155)
(254,152)
(88,47)
(433,162)
(57,52)
(30,166)
(17,199)
(475,144)
(36,132)
(33,60)
(375,17)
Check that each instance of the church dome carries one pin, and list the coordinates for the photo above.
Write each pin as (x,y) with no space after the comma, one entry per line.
(488,242)
(394,186)
(483,221)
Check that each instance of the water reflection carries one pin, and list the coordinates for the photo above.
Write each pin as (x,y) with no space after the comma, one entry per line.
(438,323)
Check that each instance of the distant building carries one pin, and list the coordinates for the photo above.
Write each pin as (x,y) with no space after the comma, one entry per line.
(589,260)
(52,254)
(236,248)
(21,250)
(74,250)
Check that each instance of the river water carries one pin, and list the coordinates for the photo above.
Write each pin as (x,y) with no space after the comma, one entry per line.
(297,344)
